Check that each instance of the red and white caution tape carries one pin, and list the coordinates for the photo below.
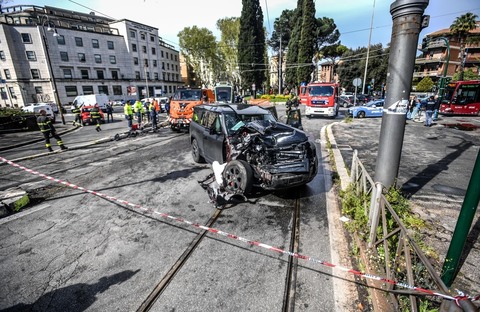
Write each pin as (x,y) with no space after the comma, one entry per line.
(245,240)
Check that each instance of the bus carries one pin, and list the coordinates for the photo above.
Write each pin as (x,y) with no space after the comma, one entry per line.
(320,99)
(461,98)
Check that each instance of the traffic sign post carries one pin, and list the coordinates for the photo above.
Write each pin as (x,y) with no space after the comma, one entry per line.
(356,82)
(253,90)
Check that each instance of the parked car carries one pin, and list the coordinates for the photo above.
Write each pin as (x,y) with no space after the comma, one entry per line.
(364,98)
(36,108)
(345,101)
(87,118)
(256,148)
(371,109)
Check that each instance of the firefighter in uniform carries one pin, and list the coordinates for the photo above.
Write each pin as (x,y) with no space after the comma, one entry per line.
(47,129)
(95,114)
(78,116)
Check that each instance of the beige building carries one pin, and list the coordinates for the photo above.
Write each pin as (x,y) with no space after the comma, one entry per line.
(49,54)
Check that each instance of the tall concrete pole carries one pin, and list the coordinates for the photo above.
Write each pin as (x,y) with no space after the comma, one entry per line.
(407,20)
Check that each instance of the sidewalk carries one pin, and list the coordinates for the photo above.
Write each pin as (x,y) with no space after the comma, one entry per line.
(435,169)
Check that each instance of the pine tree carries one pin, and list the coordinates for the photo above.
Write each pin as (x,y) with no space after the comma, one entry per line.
(251,45)
(306,49)
(292,51)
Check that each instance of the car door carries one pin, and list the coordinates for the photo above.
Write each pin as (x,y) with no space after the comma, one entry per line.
(213,138)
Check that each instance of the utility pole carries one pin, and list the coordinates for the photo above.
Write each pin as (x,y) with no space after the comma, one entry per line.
(280,67)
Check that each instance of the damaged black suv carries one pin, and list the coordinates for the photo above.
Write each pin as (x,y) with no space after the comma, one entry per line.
(257,149)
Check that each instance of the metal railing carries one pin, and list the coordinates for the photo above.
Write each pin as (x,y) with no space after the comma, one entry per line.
(408,264)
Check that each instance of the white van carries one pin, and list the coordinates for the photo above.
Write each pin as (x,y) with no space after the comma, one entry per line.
(91,100)
(37,108)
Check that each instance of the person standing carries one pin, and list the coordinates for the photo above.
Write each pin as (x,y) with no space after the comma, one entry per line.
(152,110)
(95,114)
(429,107)
(78,116)
(48,129)
(139,111)
(128,111)
(109,110)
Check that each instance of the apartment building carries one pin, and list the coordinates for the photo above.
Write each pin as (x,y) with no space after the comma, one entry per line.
(49,54)
(435,47)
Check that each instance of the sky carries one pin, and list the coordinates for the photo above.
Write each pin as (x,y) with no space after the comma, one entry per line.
(352,17)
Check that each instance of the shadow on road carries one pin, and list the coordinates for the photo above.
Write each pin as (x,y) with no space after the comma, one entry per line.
(74,298)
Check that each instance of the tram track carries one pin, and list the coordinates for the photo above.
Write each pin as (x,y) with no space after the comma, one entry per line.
(291,275)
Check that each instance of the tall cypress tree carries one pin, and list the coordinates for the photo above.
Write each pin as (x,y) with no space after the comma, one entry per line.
(292,51)
(251,45)
(306,48)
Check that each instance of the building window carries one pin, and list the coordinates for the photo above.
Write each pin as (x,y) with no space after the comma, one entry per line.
(163,65)
(137,75)
(145,63)
(161,53)
(110,45)
(2,56)
(166,54)
(135,61)
(95,44)
(61,40)
(168,66)
(133,33)
(26,38)
(163,77)
(134,47)
(87,90)
(78,42)
(7,74)
(12,92)
(103,90)
(64,56)
(177,77)
(170,89)
(144,49)
(114,74)
(148,75)
(81,57)
(35,73)
(152,38)
(84,73)
(113,59)
(98,58)
(165,89)
(142,36)
(117,90)
(176,60)
(38,90)
(100,74)
(71,91)
(155,76)
(154,62)
(31,55)
(154,51)
(67,73)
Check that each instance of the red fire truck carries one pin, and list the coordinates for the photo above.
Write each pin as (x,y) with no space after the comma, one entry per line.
(461,98)
(320,99)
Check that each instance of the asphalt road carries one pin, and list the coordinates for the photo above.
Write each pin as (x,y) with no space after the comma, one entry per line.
(73,251)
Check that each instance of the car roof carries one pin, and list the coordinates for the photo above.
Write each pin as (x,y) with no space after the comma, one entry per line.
(243,109)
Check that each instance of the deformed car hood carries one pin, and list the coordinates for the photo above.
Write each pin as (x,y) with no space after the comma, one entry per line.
(277,134)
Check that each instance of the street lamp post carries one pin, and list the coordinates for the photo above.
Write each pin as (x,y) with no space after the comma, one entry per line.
(46,21)
(441,90)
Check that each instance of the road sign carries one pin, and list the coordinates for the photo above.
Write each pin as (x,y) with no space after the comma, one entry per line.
(357,82)
(253,87)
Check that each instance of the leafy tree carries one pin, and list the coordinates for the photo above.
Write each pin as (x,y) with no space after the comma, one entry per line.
(293,44)
(306,48)
(251,44)
(461,28)
(326,33)
(468,74)
(282,29)
(199,47)
(425,85)
(333,54)
(229,31)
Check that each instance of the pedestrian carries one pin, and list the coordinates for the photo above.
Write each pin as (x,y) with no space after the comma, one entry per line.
(416,108)
(167,105)
(48,129)
(429,107)
(139,111)
(109,110)
(96,117)
(146,106)
(436,108)
(78,115)
(152,111)
(128,111)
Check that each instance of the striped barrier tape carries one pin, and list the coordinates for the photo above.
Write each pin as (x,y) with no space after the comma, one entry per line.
(247,241)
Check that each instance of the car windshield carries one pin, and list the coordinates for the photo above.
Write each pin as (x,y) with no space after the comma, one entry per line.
(234,122)
(224,94)
(188,95)
(321,90)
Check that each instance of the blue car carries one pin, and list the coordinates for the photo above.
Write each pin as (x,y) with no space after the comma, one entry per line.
(371,109)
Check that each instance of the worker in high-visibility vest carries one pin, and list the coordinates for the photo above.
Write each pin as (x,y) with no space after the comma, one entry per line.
(139,111)
(128,111)
(96,117)
(47,129)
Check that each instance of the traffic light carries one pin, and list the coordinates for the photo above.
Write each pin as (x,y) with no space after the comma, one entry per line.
(425,21)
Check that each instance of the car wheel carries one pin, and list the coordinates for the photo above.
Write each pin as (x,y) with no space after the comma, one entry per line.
(238,177)
(196,152)
(361,114)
